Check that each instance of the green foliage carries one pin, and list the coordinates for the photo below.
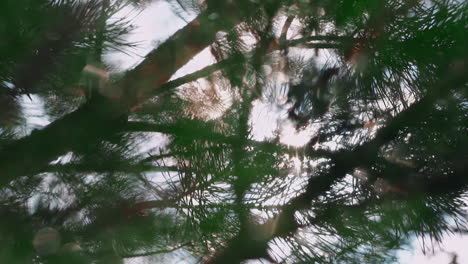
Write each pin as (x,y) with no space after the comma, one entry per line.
(378,88)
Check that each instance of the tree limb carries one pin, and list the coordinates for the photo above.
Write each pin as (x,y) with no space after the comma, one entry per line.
(99,117)
(248,245)
(162,251)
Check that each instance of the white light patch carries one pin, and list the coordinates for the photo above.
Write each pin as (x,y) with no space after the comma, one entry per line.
(268,120)
(265,120)
(33,111)
(294,138)
(297,163)
(198,62)
(451,245)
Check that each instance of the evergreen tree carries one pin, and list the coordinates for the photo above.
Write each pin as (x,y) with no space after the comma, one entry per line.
(145,166)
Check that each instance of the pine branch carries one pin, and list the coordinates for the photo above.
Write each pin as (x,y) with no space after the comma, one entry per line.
(160,64)
(147,205)
(100,116)
(284,30)
(193,131)
(249,245)
(156,252)
(206,71)
(127,168)
(235,61)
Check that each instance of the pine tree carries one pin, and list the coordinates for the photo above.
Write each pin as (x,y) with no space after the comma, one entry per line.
(386,160)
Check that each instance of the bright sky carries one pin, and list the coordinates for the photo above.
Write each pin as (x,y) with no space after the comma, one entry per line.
(442,255)
(154,24)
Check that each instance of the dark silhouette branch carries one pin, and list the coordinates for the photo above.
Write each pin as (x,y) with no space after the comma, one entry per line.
(284,30)
(127,168)
(100,116)
(156,252)
(234,62)
(248,245)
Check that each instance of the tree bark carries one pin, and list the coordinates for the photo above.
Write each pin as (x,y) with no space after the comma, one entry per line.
(100,116)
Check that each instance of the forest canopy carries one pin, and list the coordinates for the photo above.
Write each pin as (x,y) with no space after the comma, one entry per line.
(316,132)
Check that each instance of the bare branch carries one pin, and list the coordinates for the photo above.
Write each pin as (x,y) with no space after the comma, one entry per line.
(284,30)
